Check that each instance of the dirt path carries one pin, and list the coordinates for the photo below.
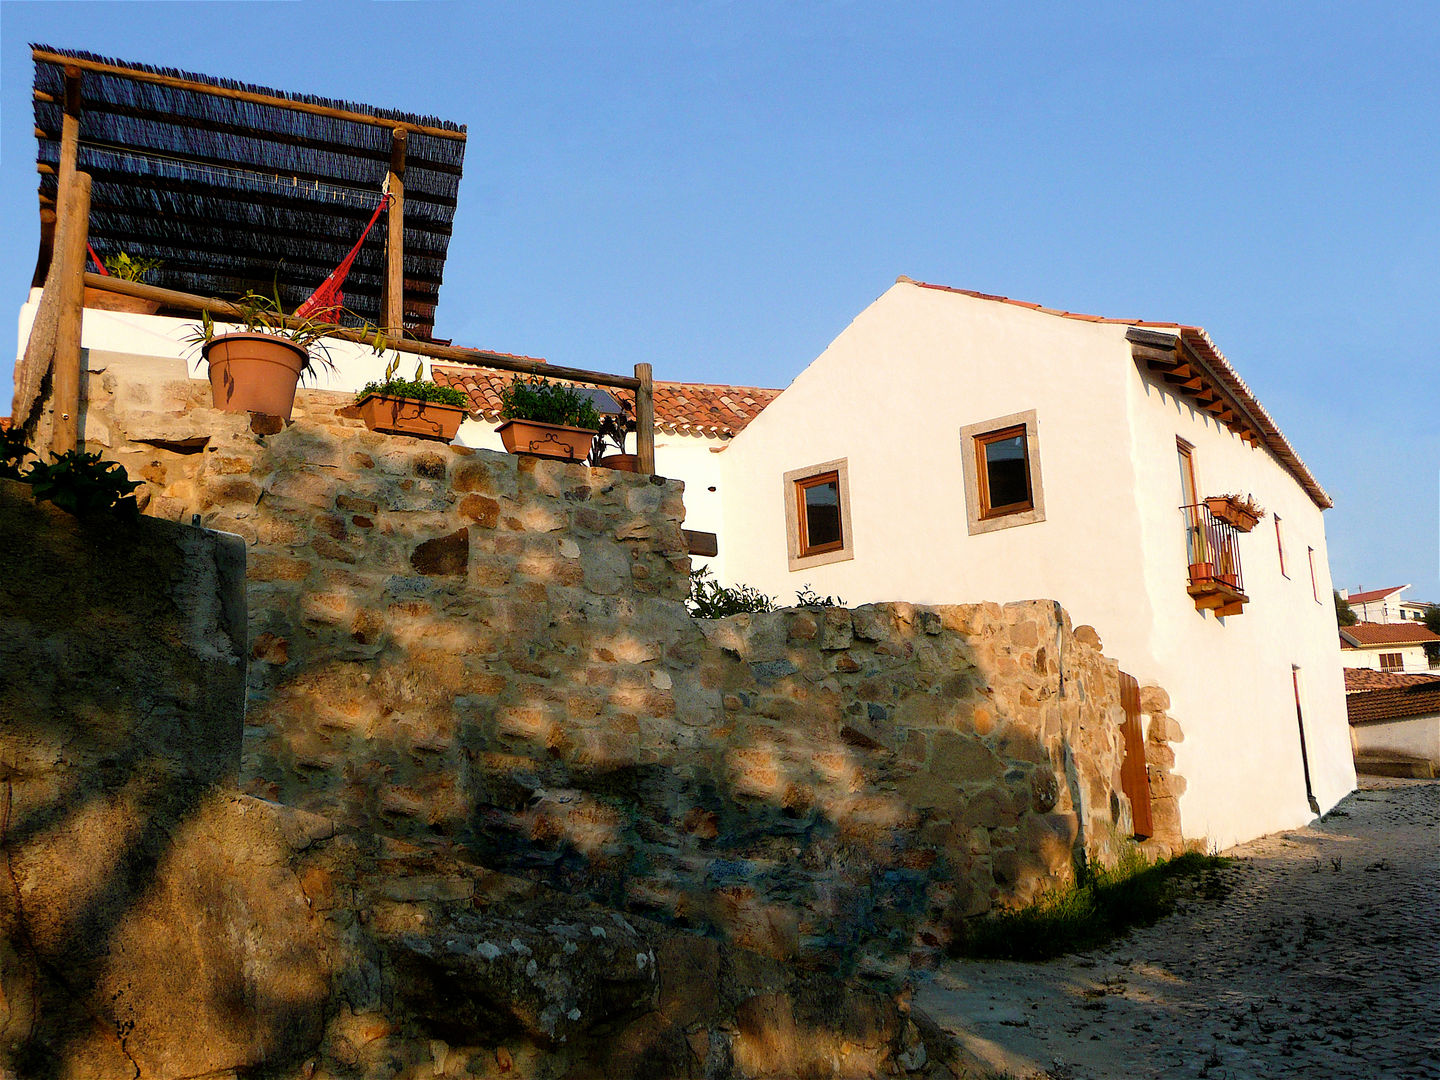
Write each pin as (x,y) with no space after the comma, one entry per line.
(1323,962)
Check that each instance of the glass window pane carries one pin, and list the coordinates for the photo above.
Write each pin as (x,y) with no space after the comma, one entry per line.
(822,513)
(1006,474)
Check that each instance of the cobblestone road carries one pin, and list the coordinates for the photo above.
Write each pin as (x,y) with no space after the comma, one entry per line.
(1323,961)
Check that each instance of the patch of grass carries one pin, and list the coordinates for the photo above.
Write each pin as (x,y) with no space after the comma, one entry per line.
(1104,905)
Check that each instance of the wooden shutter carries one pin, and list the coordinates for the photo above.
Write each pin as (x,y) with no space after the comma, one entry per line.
(1134,780)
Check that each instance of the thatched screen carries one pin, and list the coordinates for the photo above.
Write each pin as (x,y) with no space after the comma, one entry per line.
(236,195)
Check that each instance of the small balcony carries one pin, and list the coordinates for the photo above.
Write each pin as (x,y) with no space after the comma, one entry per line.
(1216,582)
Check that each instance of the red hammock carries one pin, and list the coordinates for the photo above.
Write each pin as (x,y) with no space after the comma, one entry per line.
(327,302)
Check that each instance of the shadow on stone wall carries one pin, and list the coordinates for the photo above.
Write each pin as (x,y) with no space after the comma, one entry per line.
(469,661)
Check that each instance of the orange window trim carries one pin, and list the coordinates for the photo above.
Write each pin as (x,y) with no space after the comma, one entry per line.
(982,473)
(803,525)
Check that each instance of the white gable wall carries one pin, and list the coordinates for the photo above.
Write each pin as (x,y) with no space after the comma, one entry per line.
(890,395)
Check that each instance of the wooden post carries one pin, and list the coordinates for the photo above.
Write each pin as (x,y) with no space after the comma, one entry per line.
(69,281)
(47,247)
(645,418)
(69,132)
(393,317)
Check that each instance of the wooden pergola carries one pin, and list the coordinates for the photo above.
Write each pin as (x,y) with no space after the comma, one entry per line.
(241,188)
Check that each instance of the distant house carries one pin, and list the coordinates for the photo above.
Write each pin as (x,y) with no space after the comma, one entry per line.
(1394,721)
(1384,605)
(1395,646)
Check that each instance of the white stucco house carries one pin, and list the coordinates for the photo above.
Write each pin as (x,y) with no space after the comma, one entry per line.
(1392,646)
(1379,605)
(1394,722)
(951,446)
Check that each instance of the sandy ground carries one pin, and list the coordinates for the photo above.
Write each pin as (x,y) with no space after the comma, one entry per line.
(1323,961)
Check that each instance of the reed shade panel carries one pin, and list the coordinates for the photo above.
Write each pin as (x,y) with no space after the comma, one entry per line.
(238,187)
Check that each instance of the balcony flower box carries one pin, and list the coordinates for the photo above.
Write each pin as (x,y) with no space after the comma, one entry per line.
(541,417)
(1243,514)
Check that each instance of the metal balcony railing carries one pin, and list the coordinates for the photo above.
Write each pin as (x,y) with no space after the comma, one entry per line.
(1213,550)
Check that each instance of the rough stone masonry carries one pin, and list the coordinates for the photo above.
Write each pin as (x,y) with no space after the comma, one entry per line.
(489,656)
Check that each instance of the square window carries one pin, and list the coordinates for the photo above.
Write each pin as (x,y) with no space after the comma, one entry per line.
(1002,473)
(817,515)
(1392,661)
(818,499)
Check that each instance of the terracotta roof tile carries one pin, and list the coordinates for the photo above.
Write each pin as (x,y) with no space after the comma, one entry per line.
(1199,340)
(1360,679)
(1396,703)
(1367,633)
(715,411)
(1374,594)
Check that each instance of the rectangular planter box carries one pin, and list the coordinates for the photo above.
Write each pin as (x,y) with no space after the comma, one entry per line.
(407,416)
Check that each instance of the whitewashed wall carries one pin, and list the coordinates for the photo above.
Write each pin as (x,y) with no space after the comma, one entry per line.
(1416,736)
(890,395)
(1414,656)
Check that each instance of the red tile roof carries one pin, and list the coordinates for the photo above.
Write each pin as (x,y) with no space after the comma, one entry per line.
(1197,339)
(1373,594)
(680,408)
(1361,679)
(1397,703)
(1369,633)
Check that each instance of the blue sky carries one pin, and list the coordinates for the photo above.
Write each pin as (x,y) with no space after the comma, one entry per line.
(718,188)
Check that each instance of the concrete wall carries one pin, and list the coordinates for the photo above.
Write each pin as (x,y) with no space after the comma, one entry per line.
(1416,736)
(890,396)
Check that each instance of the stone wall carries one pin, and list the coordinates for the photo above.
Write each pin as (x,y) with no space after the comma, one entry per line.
(489,655)
(156,923)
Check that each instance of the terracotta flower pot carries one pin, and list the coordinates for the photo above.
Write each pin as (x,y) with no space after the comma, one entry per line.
(254,372)
(1201,571)
(411,416)
(104,300)
(622,462)
(546,440)
(1232,513)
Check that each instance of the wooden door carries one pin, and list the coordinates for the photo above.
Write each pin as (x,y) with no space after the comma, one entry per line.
(1134,780)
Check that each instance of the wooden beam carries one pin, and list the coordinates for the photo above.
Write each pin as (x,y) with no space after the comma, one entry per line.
(70,282)
(392,317)
(184,301)
(645,418)
(157,79)
(704,544)
(47,246)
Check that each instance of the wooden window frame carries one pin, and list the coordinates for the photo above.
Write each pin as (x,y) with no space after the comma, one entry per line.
(1398,658)
(982,471)
(804,548)
(801,555)
(1314,583)
(1280,545)
(981,517)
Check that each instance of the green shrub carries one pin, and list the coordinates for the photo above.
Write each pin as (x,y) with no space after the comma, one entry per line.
(545,402)
(83,485)
(1103,905)
(711,600)
(422,390)
(13,451)
(808,597)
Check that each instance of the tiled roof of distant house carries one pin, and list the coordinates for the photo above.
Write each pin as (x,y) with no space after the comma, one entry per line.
(1197,339)
(1366,633)
(1397,703)
(680,408)
(1358,680)
(1374,594)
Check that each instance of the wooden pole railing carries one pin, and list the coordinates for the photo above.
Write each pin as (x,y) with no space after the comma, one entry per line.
(642,383)
(393,317)
(70,281)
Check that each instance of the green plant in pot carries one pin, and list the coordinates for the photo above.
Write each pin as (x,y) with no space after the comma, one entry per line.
(256,368)
(415,406)
(541,417)
(124,267)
